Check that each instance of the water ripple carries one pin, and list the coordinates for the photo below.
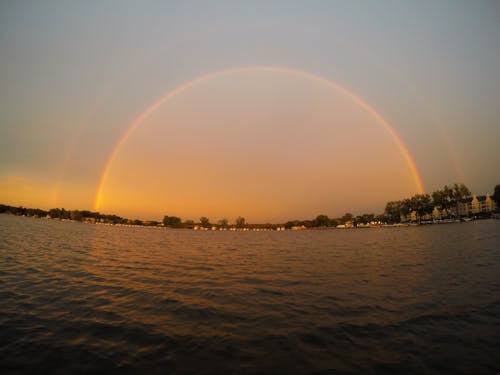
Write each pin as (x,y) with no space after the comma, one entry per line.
(81,298)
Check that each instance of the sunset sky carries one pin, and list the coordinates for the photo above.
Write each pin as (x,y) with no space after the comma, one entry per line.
(272,110)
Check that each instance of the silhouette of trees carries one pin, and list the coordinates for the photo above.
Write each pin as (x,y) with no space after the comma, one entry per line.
(223,223)
(393,211)
(365,218)
(420,205)
(423,204)
(205,222)
(321,221)
(76,215)
(496,196)
(240,222)
(347,217)
(172,221)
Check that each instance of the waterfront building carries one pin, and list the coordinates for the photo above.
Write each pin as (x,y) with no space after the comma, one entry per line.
(436,214)
(470,206)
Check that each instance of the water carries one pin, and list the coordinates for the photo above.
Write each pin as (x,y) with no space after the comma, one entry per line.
(78,298)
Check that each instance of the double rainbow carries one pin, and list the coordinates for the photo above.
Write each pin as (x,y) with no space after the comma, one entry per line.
(139,120)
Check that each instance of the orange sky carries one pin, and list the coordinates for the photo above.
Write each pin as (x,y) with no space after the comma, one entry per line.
(74,77)
(266,145)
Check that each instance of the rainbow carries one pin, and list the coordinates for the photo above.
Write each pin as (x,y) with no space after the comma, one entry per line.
(139,120)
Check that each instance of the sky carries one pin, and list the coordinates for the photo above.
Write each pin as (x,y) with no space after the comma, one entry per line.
(271,110)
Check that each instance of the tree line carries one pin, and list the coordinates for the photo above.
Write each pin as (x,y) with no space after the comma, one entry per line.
(445,199)
(75,215)
(204,222)
(324,221)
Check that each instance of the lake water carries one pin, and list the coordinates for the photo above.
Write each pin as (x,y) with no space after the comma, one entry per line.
(81,298)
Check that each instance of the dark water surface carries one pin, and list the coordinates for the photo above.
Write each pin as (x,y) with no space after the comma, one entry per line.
(77,298)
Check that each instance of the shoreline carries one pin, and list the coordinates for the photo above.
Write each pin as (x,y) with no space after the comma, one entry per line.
(277,229)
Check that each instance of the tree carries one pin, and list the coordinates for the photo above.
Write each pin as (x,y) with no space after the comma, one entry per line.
(459,192)
(65,214)
(448,198)
(205,222)
(223,223)
(406,206)
(496,196)
(172,221)
(444,198)
(335,222)
(293,223)
(393,211)
(240,222)
(421,204)
(321,221)
(439,198)
(347,217)
(365,218)
(188,224)
(55,213)
(76,215)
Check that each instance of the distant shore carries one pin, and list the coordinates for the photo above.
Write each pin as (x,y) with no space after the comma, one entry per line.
(454,203)
(257,229)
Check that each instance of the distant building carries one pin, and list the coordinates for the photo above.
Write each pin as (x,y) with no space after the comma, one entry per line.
(489,205)
(470,206)
(436,214)
(476,205)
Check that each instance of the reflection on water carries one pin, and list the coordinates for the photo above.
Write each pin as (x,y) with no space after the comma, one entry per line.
(88,298)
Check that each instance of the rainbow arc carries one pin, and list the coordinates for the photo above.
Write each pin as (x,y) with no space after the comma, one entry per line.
(143,116)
